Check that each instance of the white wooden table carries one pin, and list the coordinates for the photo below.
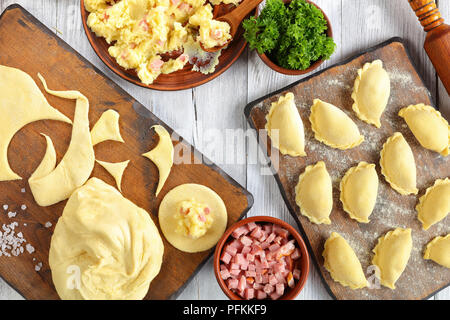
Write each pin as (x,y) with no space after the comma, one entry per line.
(219,104)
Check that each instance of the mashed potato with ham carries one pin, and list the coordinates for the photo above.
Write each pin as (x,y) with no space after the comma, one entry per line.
(141,32)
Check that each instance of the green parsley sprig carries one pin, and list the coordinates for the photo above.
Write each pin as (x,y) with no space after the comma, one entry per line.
(293,36)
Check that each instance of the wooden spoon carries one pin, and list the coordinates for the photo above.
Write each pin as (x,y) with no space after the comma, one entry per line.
(234,19)
(437,42)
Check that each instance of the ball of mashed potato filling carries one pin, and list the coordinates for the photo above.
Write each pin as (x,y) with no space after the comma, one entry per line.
(104,246)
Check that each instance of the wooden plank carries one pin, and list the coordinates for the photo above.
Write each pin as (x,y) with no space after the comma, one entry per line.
(392,209)
(139,181)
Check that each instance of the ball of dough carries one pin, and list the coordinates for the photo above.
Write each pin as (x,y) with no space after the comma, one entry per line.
(104,246)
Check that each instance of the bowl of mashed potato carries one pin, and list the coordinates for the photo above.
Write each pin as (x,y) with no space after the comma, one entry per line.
(158,43)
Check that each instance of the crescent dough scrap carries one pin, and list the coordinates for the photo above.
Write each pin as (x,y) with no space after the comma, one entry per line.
(392,254)
(428,126)
(111,245)
(371,92)
(284,117)
(106,128)
(342,263)
(434,205)
(116,170)
(438,250)
(197,196)
(48,163)
(314,193)
(76,165)
(398,165)
(359,189)
(162,155)
(21,102)
(333,127)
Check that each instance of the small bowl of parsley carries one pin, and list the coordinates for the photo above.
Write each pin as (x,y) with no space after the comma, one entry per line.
(291,37)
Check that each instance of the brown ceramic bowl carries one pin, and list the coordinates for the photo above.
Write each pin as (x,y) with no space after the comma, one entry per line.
(179,80)
(293,72)
(304,260)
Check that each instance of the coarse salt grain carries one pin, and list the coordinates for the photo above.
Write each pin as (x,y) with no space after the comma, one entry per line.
(11,214)
(38,267)
(30,249)
(22,190)
(10,243)
(5,207)
(23,207)
(48,224)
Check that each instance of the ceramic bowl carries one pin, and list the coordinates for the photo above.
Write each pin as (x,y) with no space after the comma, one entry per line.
(291,293)
(272,65)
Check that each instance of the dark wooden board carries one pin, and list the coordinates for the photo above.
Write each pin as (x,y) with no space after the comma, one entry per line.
(27,44)
(421,278)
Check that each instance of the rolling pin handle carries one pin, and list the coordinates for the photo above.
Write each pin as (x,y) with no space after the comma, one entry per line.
(427,13)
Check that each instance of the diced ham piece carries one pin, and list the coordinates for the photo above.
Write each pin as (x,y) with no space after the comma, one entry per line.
(279,289)
(273,280)
(256,233)
(216,34)
(257,286)
(226,257)
(268,228)
(256,249)
(160,43)
(246,241)
(238,232)
(175,2)
(231,250)
(237,244)
(246,250)
(286,249)
(274,247)
(225,274)
(144,24)
(251,267)
(202,218)
(156,64)
(296,254)
(271,237)
(183,58)
(242,284)
(296,273)
(250,257)
(275,296)
(268,288)
(249,293)
(234,266)
(185,7)
(251,226)
(250,273)
(261,295)
(235,272)
(250,280)
(232,283)
(290,280)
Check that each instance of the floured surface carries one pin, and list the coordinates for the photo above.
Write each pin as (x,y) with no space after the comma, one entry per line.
(421,277)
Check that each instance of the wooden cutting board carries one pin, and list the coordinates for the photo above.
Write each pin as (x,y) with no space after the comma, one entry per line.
(27,44)
(421,278)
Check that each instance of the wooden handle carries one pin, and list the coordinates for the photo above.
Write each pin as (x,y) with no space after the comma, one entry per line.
(235,17)
(428,14)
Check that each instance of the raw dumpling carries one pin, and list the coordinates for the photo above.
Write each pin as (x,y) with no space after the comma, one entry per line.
(371,92)
(284,117)
(333,127)
(392,254)
(342,263)
(359,189)
(314,193)
(428,126)
(434,205)
(438,250)
(398,165)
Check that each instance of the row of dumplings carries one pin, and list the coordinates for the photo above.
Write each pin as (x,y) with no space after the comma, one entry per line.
(359,186)
(391,255)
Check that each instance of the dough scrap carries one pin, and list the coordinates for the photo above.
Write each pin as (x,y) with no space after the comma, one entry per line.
(434,205)
(392,253)
(333,127)
(359,189)
(342,263)
(116,170)
(162,155)
(314,193)
(112,244)
(428,126)
(106,128)
(371,92)
(48,162)
(438,250)
(21,102)
(284,117)
(76,165)
(398,165)
(198,194)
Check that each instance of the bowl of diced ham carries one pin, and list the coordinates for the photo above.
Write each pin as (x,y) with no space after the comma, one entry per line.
(261,258)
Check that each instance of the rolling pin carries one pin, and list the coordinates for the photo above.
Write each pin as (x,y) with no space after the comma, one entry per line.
(437,42)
